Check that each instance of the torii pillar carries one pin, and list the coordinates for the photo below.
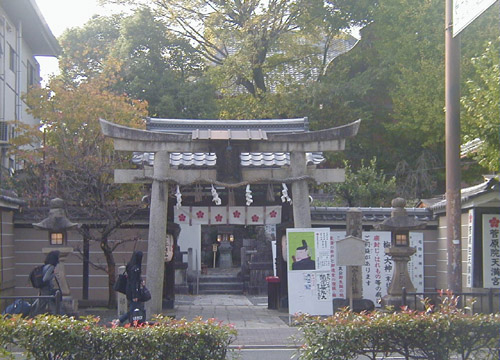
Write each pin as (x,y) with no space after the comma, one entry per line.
(297,144)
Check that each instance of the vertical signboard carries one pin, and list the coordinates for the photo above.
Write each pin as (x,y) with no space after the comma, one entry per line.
(378,268)
(309,271)
(469,270)
(491,251)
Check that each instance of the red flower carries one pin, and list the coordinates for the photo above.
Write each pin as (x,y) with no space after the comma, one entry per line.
(273,214)
(200,214)
(494,222)
(255,218)
(182,217)
(236,214)
(218,218)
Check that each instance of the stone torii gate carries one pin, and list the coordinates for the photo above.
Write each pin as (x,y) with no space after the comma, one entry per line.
(297,144)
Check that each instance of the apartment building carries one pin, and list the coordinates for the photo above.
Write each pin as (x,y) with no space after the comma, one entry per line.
(24,35)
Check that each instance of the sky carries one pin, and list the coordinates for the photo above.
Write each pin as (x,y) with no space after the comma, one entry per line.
(63,14)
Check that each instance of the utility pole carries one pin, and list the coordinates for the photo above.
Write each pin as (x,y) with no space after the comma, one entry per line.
(452,130)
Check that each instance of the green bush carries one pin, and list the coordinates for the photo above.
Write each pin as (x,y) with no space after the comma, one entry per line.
(411,334)
(50,337)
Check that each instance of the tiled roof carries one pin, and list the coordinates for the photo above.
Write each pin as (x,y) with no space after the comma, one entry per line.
(193,126)
(209,159)
(471,192)
(375,215)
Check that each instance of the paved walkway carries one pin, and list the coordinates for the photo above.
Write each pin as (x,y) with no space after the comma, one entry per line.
(255,323)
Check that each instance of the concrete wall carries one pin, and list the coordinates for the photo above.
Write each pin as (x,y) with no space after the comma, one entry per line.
(29,243)
(7,256)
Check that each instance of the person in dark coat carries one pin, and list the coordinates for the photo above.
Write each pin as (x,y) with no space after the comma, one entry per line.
(49,283)
(302,258)
(134,283)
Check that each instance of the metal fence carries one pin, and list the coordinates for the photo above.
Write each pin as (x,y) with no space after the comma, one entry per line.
(36,305)
(475,302)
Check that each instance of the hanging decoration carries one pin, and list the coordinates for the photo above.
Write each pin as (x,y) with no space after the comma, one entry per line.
(178,196)
(248,195)
(198,193)
(215,197)
(231,200)
(270,193)
(284,194)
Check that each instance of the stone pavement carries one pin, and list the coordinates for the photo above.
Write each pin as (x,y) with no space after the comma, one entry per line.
(255,323)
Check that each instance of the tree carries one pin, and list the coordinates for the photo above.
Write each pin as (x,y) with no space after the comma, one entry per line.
(76,162)
(154,64)
(246,41)
(394,81)
(481,103)
(365,187)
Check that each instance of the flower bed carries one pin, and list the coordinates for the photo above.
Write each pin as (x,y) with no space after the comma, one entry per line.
(51,337)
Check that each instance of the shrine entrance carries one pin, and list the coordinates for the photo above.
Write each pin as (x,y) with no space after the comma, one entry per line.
(234,155)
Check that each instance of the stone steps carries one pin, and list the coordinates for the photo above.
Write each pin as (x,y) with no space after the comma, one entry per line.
(220,284)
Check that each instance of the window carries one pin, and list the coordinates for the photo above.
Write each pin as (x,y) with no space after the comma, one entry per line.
(56,238)
(12,59)
(31,75)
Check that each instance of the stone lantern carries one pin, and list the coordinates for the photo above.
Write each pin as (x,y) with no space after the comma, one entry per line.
(57,224)
(399,224)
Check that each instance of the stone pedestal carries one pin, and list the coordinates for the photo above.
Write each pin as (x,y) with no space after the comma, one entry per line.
(69,305)
(121,299)
(225,256)
(401,277)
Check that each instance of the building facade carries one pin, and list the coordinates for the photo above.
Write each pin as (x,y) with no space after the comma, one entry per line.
(24,34)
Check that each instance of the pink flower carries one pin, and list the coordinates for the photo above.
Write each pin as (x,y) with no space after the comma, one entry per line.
(494,222)
(182,217)
(236,214)
(218,218)
(273,214)
(200,214)
(255,218)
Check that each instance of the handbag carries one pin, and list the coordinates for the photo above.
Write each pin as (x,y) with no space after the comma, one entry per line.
(121,283)
(144,294)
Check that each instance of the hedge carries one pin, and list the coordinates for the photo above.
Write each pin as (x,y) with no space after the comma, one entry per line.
(433,335)
(50,337)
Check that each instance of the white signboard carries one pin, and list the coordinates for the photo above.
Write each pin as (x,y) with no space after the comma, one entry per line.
(469,271)
(491,251)
(466,11)
(378,268)
(309,271)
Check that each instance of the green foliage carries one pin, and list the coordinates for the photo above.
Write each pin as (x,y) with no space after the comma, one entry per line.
(366,186)
(481,103)
(51,337)
(411,334)
(150,63)
(394,81)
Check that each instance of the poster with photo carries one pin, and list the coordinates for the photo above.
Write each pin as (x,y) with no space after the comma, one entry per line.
(309,271)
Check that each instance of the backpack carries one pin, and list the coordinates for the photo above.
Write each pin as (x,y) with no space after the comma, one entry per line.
(36,277)
(19,306)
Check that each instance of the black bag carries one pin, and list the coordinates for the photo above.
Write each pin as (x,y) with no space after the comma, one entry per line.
(19,306)
(144,294)
(36,277)
(137,316)
(121,283)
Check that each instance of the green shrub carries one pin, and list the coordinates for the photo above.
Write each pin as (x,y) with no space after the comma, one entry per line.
(411,334)
(51,337)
